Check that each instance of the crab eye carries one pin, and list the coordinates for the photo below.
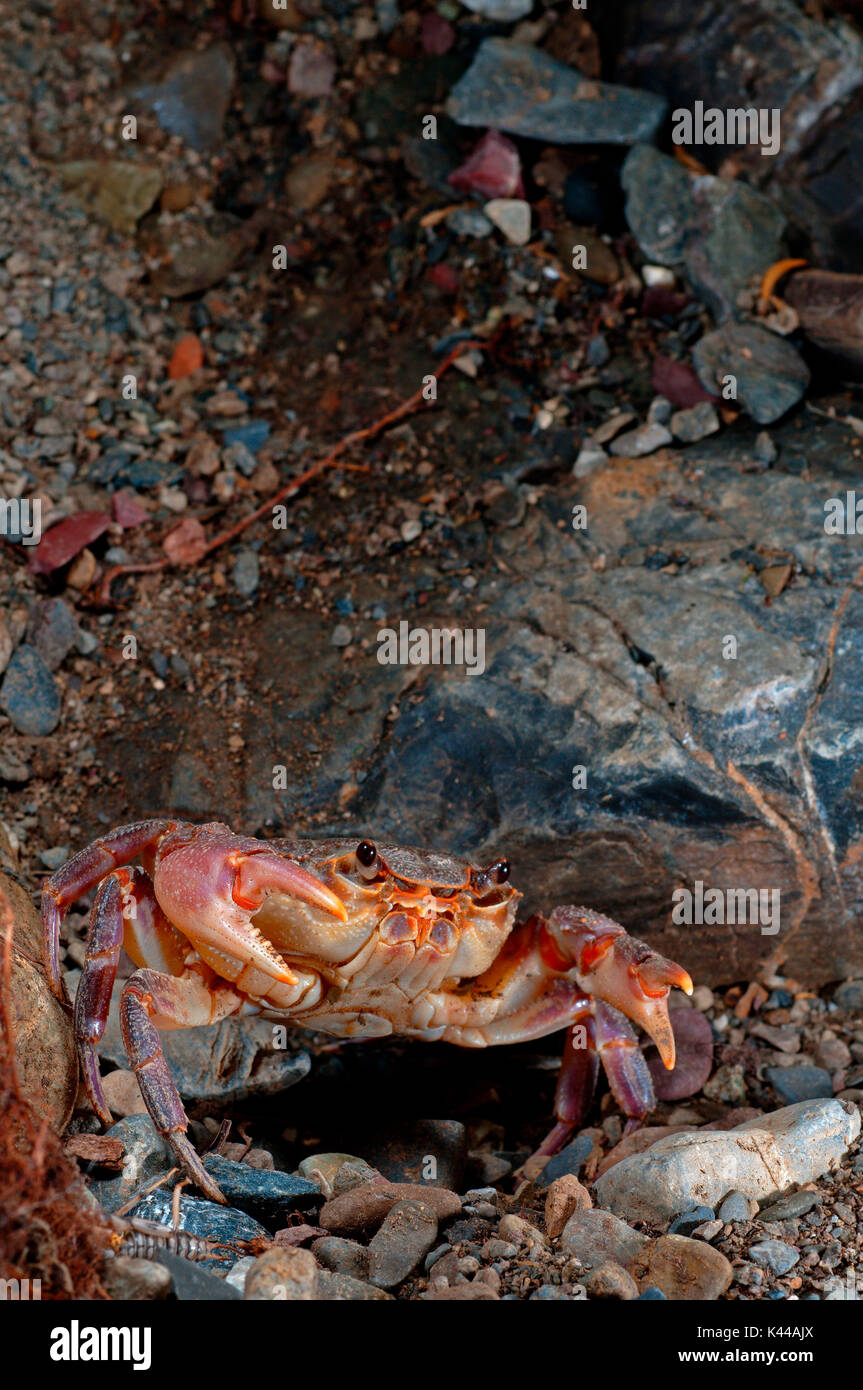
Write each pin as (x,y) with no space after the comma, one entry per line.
(367,855)
(499,872)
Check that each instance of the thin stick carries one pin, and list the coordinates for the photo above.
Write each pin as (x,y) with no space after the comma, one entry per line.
(392,417)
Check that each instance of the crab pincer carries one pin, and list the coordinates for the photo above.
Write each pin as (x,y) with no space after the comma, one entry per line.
(617,968)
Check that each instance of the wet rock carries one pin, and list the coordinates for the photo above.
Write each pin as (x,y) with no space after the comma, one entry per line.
(193,1282)
(45,1056)
(145,1157)
(737,1207)
(760,1158)
(571,1159)
(285,1275)
(693,1038)
(265,1194)
(364,1208)
(408,1232)
(644,440)
(510,86)
(53,631)
(771,375)
(611,1281)
(209,1220)
(429,1152)
(687,1223)
(127,1278)
(689,426)
(230,1062)
(684,1269)
(722,230)
(565,1196)
(191,99)
(342,1288)
(342,1256)
(118,191)
(794,1084)
(775,1255)
(29,694)
(595,1237)
(792,1205)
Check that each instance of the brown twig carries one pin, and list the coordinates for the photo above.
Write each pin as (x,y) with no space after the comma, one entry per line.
(392,417)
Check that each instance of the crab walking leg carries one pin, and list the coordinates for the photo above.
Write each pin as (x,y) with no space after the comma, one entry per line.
(604,1036)
(151,1000)
(82,872)
(124,913)
(615,967)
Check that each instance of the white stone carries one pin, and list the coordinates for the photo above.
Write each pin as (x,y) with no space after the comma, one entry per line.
(512,217)
(761,1158)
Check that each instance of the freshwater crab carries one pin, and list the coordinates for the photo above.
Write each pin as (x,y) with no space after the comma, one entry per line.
(356,939)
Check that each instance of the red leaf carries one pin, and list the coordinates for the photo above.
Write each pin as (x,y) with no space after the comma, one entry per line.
(694,1039)
(66,540)
(493,169)
(678,383)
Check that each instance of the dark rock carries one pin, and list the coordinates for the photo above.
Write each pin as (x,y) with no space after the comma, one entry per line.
(407,1234)
(684,1225)
(791,1205)
(364,1208)
(29,694)
(792,1084)
(571,1159)
(146,1156)
(850,995)
(222,1225)
(775,1255)
(251,435)
(53,631)
(265,1194)
(510,86)
(722,231)
(193,1282)
(191,99)
(689,426)
(771,374)
(422,1151)
(226,1063)
(735,1207)
(342,1256)
(781,58)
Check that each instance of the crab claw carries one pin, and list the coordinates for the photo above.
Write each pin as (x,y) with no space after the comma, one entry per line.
(616,967)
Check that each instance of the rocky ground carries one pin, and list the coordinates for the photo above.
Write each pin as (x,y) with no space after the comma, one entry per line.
(244,684)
